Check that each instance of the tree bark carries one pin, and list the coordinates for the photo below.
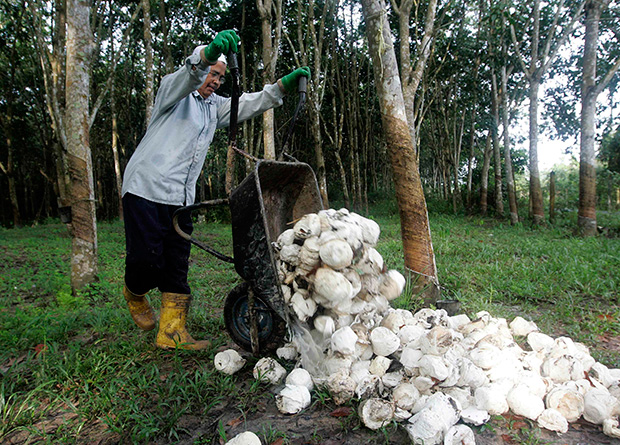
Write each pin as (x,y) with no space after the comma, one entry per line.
(247,126)
(10,172)
(470,160)
(538,212)
(316,93)
(343,179)
(149,89)
(499,200)
(164,31)
(484,177)
(416,236)
(539,63)
(83,225)
(7,126)
(118,176)
(411,76)
(586,220)
(270,57)
(510,182)
(552,197)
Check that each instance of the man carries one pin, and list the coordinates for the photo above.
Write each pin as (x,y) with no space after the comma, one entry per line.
(161,177)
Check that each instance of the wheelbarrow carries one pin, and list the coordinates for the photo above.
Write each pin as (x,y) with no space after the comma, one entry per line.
(262,206)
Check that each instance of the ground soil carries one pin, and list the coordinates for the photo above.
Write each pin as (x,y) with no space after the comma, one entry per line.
(320,426)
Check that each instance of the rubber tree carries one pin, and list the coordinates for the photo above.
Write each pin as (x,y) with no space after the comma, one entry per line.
(510,180)
(543,50)
(411,74)
(591,87)
(83,227)
(312,54)
(10,62)
(416,236)
(149,81)
(270,57)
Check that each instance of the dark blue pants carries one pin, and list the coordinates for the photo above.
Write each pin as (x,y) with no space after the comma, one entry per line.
(157,257)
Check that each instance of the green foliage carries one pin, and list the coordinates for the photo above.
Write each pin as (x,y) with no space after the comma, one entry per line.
(610,151)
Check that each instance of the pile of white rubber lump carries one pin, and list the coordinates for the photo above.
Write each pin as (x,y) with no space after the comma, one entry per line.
(435,374)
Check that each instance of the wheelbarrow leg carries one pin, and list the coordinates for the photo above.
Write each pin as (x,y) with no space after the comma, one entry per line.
(253,323)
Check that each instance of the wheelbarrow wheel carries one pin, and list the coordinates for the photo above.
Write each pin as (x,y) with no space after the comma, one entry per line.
(271,327)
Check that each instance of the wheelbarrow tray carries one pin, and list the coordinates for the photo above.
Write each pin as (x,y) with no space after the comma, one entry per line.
(265,204)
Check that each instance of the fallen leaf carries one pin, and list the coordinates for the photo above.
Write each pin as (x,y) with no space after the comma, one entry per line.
(343,411)
(507,438)
(234,422)
(606,317)
(12,361)
(278,441)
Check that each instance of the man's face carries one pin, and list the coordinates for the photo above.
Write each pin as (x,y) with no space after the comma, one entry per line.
(214,79)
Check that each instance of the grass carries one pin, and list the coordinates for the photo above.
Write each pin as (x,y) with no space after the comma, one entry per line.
(75,368)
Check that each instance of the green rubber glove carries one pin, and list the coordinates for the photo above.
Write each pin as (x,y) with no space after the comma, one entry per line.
(289,82)
(224,42)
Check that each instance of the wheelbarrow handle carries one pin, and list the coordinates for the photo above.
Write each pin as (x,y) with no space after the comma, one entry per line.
(189,209)
(302,86)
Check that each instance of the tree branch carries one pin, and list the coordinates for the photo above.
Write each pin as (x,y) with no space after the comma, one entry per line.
(108,83)
(520,58)
(550,55)
(610,74)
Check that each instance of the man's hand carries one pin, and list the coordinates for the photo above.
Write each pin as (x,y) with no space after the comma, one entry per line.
(224,42)
(289,82)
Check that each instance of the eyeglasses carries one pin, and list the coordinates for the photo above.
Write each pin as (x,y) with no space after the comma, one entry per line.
(221,79)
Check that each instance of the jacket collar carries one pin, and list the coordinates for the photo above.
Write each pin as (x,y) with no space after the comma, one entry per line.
(197,95)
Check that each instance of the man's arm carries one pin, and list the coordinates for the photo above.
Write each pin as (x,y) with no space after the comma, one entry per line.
(250,104)
(192,75)
(181,83)
(253,104)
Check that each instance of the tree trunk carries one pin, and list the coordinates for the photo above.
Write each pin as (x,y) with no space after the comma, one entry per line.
(10,174)
(470,160)
(53,68)
(247,126)
(510,182)
(586,221)
(552,197)
(338,122)
(457,137)
(416,236)
(484,179)
(164,36)
(316,92)
(411,76)
(148,62)
(499,200)
(538,212)
(343,179)
(540,61)
(83,225)
(270,57)
(7,125)
(118,175)
(472,134)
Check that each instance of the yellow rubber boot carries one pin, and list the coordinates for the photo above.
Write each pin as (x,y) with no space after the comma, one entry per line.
(172,333)
(140,310)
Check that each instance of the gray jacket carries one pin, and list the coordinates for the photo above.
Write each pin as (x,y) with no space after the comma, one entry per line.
(166,165)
